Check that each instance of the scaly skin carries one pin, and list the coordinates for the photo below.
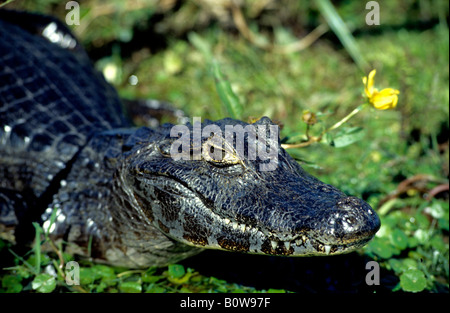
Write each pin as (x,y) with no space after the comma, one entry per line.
(66,145)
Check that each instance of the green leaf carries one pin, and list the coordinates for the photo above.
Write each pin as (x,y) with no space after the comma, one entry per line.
(229,99)
(347,136)
(422,221)
(435,210)
(219,285)
(444,222)
(204,46)
(342,32)
(37,245)
(44,283)
(438,243)
(396,265)
(176,271)
(12,283)
(422,236)
(149,275)
(412,242)
(87,275)
(5,3)
(271,290)
(155,289)
(413,280)
(382,248)
(52,221)
(130,287)
(173,63)
(24,271)
(399,239)
(101,287)
(105,273)
(178,275)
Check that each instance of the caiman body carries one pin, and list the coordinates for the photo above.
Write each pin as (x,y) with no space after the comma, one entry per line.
(119,196)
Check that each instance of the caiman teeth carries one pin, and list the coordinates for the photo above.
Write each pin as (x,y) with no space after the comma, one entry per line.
(287,245)
(237,226)
(274,244)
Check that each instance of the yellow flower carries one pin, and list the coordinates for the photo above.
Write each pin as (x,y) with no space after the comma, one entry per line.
(381,100)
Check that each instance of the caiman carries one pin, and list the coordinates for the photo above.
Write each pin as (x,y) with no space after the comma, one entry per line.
(119,195)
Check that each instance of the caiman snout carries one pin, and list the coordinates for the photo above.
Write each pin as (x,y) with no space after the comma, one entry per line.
(351,221)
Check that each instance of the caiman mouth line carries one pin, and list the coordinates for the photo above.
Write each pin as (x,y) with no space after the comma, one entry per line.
(280,246)
(275,245)
(287,246)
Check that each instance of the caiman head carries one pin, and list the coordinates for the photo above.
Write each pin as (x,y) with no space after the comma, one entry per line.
(229,185)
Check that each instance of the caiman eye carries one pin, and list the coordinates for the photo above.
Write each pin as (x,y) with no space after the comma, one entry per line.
(219,152)
(225,158)
(164,148)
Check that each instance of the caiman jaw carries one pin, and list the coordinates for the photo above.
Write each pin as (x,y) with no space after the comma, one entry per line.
(336,234)
(303,243)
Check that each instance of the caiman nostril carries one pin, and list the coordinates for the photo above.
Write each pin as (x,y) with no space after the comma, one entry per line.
(351,203)
(353,220)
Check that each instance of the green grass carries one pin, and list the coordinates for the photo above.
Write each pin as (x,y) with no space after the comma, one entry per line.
(401,160)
